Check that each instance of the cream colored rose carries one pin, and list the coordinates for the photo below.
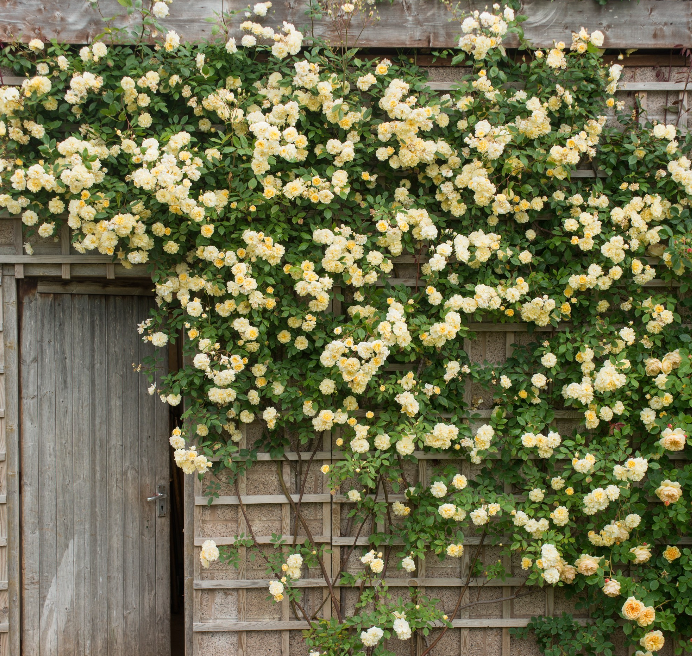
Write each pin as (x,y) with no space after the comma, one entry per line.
(653,366)
(673,357)
(447,510)
(641,554)
(567,573)
(669,491)
(632,608)
(653,641)
(587,565)
(611,588)
(673,440)
(648,615)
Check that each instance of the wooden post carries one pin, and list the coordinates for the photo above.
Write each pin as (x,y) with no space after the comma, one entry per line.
(465,634)
(326,528)
(11,425)
(423,480)
(242,565)
(18,248)
(65,249)
(286,530)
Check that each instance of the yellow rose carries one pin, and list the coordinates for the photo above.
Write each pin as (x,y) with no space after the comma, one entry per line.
(652,366)
(669,492)
(647,616)
(653,641)
(587,565)
(671,554)
(632,608)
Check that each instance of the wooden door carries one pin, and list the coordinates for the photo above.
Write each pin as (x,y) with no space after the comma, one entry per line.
(95,552)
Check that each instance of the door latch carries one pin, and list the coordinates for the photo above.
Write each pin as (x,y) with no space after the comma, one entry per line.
(161,499)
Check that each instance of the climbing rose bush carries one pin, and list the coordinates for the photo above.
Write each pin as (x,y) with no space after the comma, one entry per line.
(326,233)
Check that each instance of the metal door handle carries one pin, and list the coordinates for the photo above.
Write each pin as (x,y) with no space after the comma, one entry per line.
(160,498)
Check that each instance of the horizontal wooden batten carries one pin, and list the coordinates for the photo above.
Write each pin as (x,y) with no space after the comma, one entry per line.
(280,499)
(306,456)
(348,541)
(92,288)
(392,582)
(6,258)
(298,625)
(257,499)
(227,540)
(622,86)
(334,540)
(413,282)
(450,85)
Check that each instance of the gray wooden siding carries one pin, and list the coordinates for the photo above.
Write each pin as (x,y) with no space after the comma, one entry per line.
(402,23)
(95,556)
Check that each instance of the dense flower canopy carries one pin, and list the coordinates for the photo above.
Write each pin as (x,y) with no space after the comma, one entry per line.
(324,230)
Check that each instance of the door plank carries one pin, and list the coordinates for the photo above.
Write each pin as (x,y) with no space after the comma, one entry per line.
(30,458)
(132,494)
(64,476)
(81,405)
(100,523)
(163,532)
(115,506)
(147,544)
(48,584)
(163,524)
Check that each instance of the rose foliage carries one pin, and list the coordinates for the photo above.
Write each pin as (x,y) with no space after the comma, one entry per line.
(325,231)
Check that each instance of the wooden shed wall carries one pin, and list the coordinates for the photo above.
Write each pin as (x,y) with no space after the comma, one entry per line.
(404,23)
(227,609)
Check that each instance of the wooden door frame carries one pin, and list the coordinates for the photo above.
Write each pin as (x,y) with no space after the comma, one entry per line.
(9,387)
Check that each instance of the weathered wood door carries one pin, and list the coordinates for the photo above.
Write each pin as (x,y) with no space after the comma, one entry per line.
(95,552)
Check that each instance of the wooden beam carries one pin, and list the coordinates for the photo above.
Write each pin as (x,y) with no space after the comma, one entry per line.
(413,282)
(419,455)
(623,86)
(47,287)
(450,85)
(65,239)
(635,60)
(54,259)
(296,625)
(392,582)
